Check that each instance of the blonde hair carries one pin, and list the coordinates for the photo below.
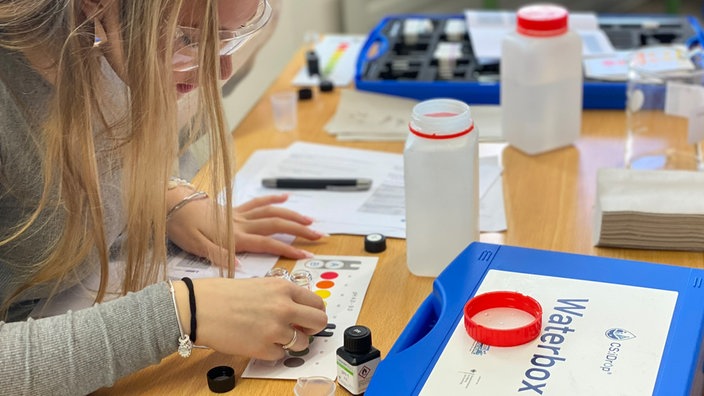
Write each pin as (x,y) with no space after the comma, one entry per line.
(70,165)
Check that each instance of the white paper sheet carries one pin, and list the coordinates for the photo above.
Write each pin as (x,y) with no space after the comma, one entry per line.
(488,28)
(371,116)
(609,68)
(381,209)
(348,212)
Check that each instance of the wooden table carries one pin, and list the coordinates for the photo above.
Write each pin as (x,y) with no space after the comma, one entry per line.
(548,202)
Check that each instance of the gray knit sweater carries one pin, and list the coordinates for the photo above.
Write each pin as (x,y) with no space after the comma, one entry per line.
(76,352)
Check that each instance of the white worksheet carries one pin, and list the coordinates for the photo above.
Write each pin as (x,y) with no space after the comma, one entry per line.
(381,209)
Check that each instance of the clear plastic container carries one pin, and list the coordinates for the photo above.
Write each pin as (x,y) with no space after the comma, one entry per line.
(314,386)
(441,173)
(664,110)
(541,81)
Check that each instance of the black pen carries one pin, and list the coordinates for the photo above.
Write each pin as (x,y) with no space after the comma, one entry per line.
(361,184)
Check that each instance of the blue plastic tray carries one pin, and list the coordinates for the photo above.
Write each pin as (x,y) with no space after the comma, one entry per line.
(410,361)
(475,83)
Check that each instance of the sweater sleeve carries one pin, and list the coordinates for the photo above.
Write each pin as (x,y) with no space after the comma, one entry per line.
(80,352)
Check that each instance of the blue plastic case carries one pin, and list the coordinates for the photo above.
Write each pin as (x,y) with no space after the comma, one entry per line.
(476,83)
(406,368)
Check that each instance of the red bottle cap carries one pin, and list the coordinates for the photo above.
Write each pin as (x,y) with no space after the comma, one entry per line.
(503,337)
(541,20)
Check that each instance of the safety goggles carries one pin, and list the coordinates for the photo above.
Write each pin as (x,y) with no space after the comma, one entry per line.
(187,38)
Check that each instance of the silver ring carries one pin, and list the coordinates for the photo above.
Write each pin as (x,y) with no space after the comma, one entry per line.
(292,342)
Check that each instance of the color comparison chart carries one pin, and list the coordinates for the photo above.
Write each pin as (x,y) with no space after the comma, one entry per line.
(342,282)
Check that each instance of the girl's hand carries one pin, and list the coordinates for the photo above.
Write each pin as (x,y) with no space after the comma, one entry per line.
(251,317)
(193,229)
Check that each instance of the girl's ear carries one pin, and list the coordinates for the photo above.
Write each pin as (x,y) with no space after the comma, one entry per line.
(105,15)
(90,7)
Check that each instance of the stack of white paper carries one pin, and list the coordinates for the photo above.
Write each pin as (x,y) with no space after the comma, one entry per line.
(370,116)
(660,209)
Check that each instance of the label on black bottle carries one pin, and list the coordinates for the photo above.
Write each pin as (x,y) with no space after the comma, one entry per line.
(355,378)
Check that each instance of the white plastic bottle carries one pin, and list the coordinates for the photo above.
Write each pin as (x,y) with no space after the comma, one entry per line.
(441,173)
(541,81)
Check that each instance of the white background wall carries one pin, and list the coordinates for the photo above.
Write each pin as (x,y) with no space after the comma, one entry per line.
(297,18)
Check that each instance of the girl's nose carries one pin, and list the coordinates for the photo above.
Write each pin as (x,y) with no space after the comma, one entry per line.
(225,67)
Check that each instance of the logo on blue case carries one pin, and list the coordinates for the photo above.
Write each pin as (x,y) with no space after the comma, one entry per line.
(618,334)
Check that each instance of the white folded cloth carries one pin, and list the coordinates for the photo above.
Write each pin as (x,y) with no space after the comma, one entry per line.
(662,209)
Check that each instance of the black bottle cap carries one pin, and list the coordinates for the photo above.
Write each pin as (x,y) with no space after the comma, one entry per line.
(326,86)
(358,340)
(305,93)
(221,379)
(374,243)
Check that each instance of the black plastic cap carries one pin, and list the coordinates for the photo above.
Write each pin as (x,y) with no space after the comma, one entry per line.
(221,379)
(374,243)
(358,340)
(305,93)
(326,86)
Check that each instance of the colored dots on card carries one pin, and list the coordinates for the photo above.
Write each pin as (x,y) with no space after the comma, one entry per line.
(328,275)
(325,284)
(299,353)
(294,362)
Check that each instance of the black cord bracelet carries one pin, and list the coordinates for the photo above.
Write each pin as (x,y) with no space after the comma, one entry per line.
(192,304)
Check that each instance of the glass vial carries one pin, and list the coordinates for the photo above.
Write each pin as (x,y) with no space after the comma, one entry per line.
(441,176)
(357,360)
(277,272)
(302,278)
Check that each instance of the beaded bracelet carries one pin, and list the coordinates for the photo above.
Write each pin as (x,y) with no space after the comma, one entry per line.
(178,182)
(193,197)
(185,345)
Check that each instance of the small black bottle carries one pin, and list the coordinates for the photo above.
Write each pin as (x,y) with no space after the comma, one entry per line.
(357,360)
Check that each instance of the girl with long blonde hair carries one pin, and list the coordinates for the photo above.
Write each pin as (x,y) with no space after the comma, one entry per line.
(89,94)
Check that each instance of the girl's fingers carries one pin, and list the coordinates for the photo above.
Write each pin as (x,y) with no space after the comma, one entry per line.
(272,226)
(276,212)
(262,201)
(264,244)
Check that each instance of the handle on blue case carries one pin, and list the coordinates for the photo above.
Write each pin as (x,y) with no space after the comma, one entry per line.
(375,38)
(418,326)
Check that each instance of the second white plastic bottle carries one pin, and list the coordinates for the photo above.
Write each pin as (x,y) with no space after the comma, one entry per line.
(541,81)
(441,173)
